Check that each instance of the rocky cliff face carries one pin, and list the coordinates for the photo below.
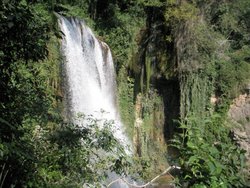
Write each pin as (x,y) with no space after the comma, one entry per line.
(239,113)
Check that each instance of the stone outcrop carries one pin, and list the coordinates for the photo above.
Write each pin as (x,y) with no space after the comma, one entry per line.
(239,113)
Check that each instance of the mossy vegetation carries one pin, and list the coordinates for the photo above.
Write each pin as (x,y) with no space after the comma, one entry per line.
(170,56)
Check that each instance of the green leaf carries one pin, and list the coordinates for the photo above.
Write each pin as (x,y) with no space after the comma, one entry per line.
(191,145)
(211,167)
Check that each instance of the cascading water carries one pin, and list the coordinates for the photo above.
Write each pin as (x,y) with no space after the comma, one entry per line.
(89,76)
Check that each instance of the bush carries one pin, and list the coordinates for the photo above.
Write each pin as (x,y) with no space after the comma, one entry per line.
(207,155)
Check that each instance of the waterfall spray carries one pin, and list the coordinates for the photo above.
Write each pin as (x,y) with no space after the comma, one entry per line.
(89,78)
(89,75)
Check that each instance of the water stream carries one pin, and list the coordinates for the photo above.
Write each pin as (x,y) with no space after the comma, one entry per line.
(89,76)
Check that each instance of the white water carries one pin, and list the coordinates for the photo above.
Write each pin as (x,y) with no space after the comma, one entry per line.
(89,76)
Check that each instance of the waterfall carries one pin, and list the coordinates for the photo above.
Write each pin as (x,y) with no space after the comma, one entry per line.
(89,71)
(89,76)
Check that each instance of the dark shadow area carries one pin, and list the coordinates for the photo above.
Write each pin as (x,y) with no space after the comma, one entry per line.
(170,91)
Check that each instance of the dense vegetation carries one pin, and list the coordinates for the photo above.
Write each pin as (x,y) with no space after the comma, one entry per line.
(170,57)
(37,148)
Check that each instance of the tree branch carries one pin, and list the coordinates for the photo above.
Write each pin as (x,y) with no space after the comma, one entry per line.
(150,182)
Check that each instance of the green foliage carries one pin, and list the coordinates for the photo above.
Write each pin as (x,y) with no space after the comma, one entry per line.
(62,155)
(179,12)
(121,34)
(126,100)
(18,16)
(233,65)
(150,133)
(26,86)
(151,3)
(196,90)
(211,52)
(20,49)
(32,95)
(24,91)
(233,74)
(208,156)
(36,150)
(142,168)
(70,155)
(203,44)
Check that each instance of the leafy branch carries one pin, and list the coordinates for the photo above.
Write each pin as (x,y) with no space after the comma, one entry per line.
(147,184)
